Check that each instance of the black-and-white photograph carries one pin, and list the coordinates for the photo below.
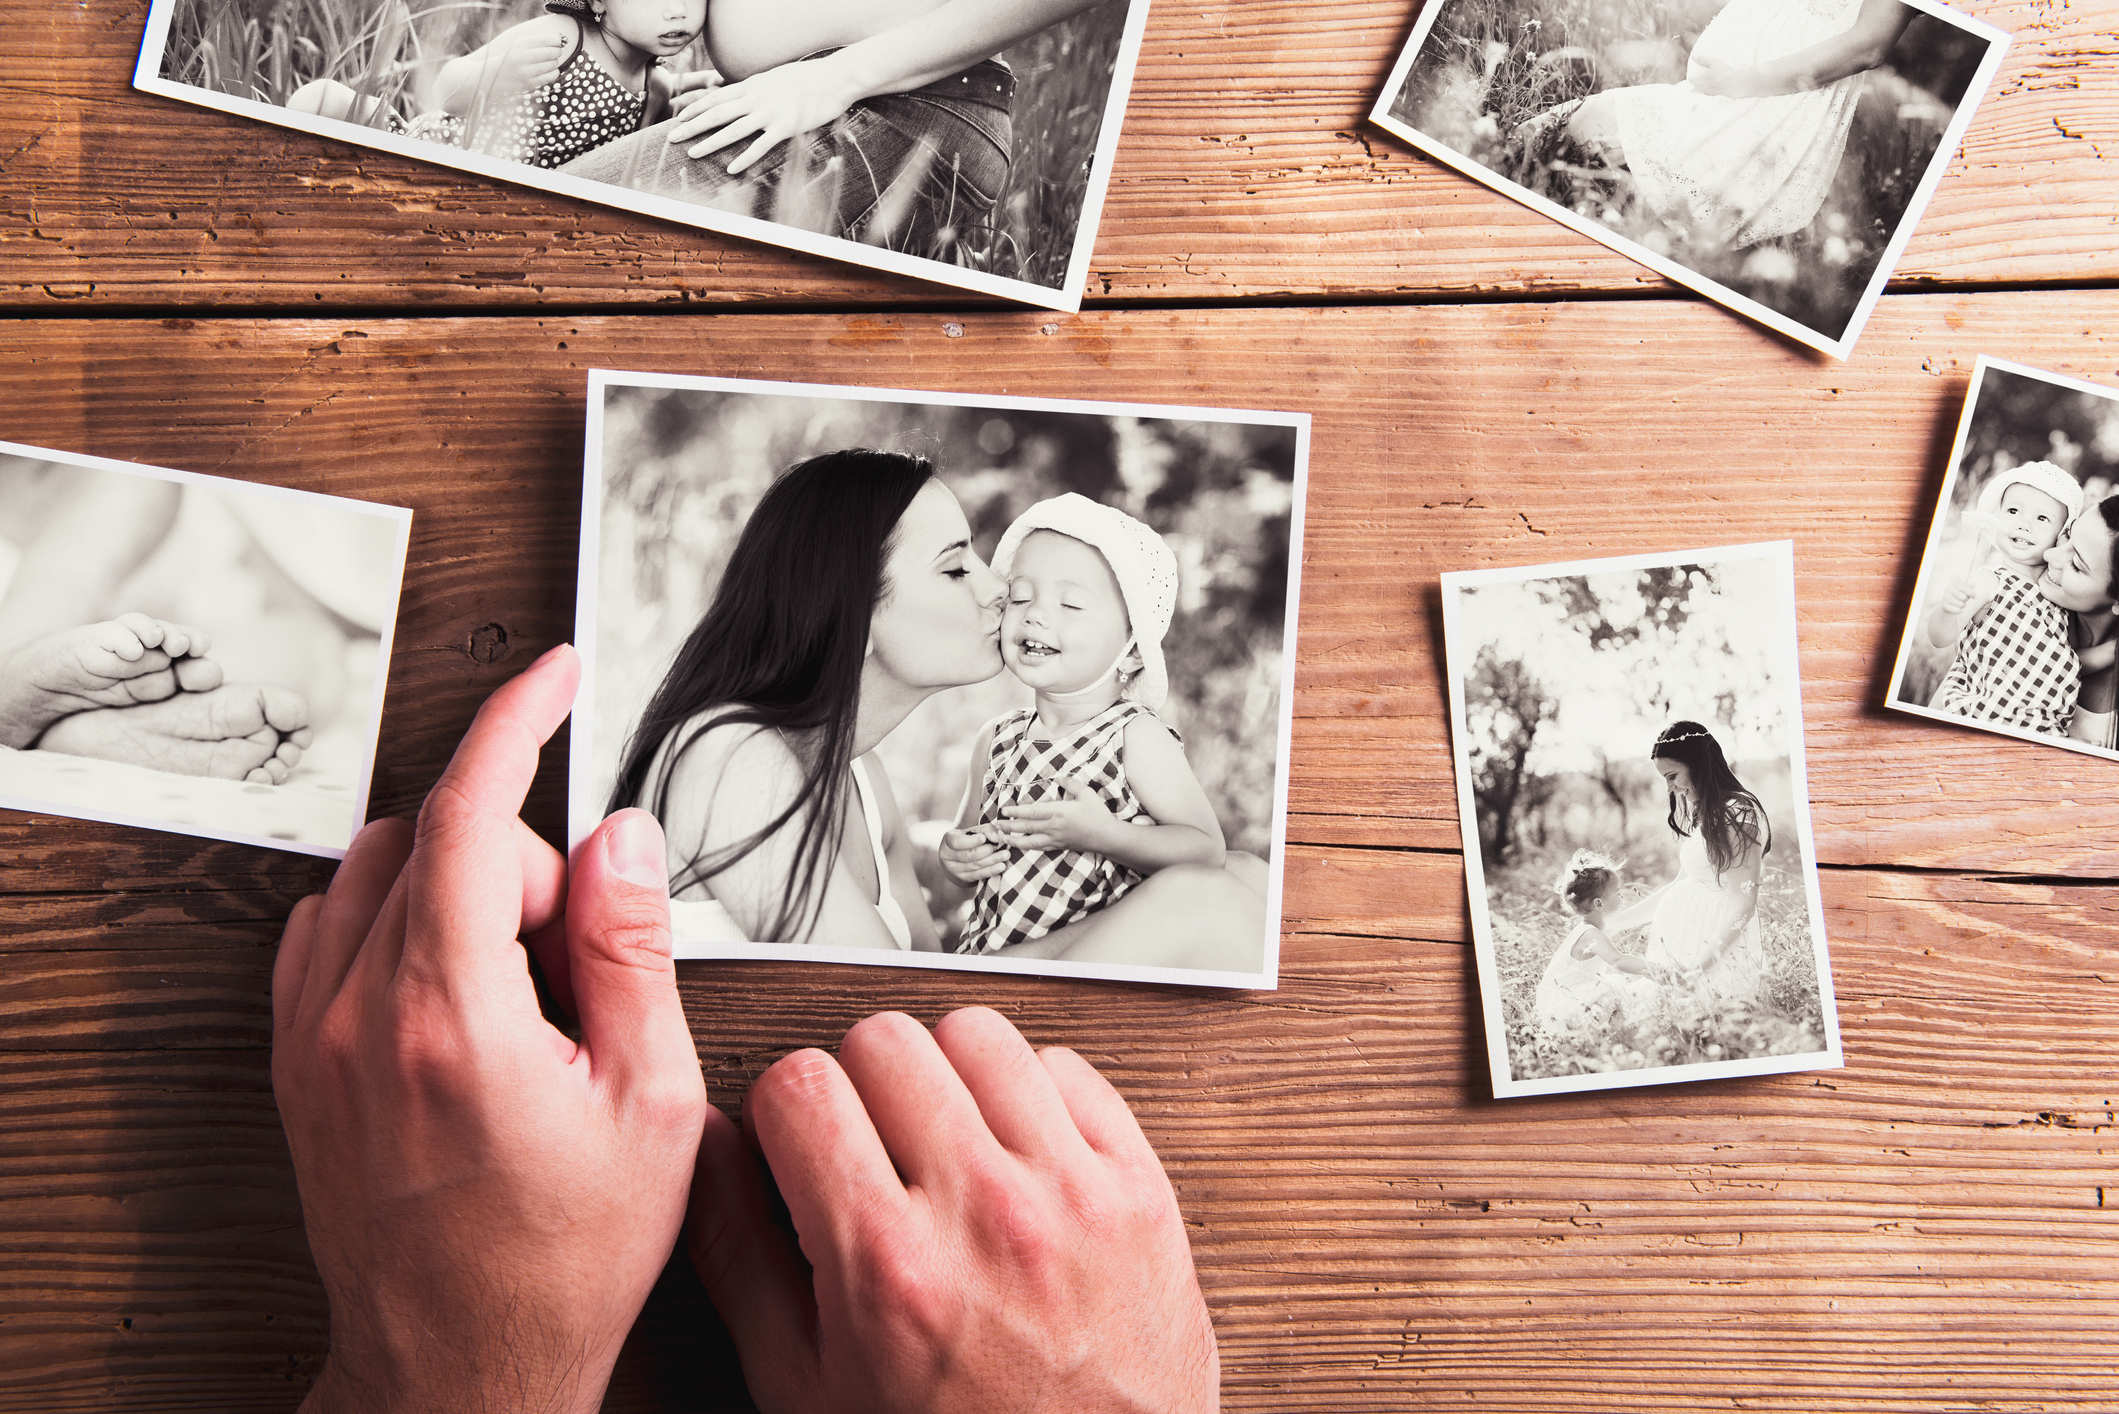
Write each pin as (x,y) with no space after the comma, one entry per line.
(190,653)
(1772,154)
(936,680)
(1628,739)
(2012,627)
(974,153)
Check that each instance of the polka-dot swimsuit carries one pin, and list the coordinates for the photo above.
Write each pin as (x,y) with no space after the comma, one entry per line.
(583,108)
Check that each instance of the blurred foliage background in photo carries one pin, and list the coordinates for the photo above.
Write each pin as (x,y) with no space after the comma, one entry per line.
(393,50)
(682,469)
(1488,65)
(2016,419)
(1570,679)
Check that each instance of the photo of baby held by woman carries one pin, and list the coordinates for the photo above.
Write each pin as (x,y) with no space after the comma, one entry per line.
(1628,736)
(191,653)
(2012,626)
(1772,154)
(917,679)
(966,141)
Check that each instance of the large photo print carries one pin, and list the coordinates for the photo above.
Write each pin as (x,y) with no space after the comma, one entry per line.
(2012,628)
(1628,738)
(968,143)
(192,653)
(1771,154)
(934,680)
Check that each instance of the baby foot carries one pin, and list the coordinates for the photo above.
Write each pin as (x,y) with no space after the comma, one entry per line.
(131,658)
(237,732)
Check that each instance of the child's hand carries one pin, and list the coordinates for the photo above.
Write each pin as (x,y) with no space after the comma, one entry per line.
(968,856)
(532,62)
(1978,586)
(1075,820)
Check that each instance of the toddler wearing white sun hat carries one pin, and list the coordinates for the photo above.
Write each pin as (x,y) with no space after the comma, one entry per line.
(1080,797)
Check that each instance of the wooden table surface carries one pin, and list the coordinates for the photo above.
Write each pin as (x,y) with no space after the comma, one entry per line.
(1934,1227)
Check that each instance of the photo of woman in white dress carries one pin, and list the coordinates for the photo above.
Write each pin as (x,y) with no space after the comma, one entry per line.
(1772,149)
(1635,725)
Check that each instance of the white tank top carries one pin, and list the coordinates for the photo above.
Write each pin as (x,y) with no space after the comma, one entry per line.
(705,921)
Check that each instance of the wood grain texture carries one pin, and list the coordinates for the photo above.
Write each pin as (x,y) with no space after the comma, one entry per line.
(1372,1234)
(1444,438)
(1245,171)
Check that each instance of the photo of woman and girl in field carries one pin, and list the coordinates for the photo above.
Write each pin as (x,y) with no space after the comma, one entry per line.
(1637,827)
(966,141)
(909,678)
(1772,154)
(2013,626)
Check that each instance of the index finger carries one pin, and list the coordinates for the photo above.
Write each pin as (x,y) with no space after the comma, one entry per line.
(825,1154)
(466,863)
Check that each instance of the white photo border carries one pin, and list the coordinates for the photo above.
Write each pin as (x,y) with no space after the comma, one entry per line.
(371,722)
(1840,348)
(585,813)
(1066,298)
(1922,583)
(1781,554)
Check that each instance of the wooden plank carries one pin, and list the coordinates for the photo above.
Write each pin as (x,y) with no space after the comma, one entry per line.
(1445,438)
(1244,171)
(1936,1223)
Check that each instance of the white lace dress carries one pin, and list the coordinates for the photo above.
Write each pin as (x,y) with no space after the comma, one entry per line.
(1578,990)
(1743,170)
(1685,916)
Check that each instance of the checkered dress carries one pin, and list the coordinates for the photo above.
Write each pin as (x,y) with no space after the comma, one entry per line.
(2014,664)
(1041,890)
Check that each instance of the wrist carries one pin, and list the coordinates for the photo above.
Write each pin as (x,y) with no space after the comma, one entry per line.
(421,1374)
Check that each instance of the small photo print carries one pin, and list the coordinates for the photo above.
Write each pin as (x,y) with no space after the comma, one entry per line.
(189,653)
(932,680)
(1629,752)
(982,170)
(1772,154)
(2012,628)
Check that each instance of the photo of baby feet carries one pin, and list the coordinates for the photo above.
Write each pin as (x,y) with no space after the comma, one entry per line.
(118,662)
(253,732)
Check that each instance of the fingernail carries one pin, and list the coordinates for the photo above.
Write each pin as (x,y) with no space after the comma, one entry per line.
(554,651)
(634,846)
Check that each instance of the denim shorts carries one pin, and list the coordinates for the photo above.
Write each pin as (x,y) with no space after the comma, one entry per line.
(916,172)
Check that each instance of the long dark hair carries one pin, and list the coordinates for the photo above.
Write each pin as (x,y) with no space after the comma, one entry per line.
(2107,511)
(1730,818)
(781,648)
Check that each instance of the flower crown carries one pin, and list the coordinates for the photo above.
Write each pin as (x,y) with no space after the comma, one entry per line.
(1694,734)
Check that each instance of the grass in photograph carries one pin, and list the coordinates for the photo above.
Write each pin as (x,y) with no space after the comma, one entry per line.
(1782,1015)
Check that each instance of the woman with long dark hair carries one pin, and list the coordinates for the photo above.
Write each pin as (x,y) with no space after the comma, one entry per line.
(2080,577)
(1704,922)
(852,596)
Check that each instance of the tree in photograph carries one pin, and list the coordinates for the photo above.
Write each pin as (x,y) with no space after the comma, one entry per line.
(1505,703)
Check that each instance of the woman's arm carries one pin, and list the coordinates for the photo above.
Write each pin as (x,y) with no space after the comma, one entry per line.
(1185,830)
(904,880)
(1861,47)
(730,785)
(773,106)
(1637,913)
(513,62)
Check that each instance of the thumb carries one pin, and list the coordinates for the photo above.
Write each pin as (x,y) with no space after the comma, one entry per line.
(618,955)
(752,1270)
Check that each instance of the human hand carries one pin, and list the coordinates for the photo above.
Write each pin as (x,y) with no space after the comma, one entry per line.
(968,856)
(775,105)
(488,1202)
(1977,585)
(1719,78)
(690,87)
(1075,819)
(986,1230)
(531,62)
